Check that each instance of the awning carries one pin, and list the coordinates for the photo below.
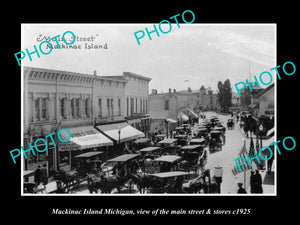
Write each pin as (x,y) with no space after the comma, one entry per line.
(88,154)
(125,131)
(169,174)
(142,141)
(193,114)
(168,158)
(182,116)
(168,141)
(171,120)
(149,149)
(123,158)
(270,132)
(85,137)
(269,141)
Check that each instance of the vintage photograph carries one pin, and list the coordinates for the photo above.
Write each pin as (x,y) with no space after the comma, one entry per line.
(162,117)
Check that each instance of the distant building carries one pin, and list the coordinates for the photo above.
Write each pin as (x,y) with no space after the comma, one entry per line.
(264,102)
(179,105)
(235,100)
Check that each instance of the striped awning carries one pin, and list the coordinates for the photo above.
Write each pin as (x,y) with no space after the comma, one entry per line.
(83,138)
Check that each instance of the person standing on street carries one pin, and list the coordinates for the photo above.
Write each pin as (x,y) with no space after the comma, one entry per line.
(252,180)
(258,182)
(37,176)
(44,176)
(241,190)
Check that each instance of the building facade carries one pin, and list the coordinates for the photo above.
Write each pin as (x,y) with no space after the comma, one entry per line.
(179,105)
(55,99)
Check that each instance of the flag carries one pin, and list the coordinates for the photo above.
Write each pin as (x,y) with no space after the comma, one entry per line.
(251,150)
(257,145)
(246,166)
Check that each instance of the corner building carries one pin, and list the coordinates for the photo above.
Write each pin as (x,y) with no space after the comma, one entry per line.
(82,103)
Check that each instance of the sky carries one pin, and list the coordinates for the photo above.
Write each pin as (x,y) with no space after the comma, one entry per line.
(190,56)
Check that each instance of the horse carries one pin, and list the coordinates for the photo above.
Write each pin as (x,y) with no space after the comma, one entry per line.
(142,181)
(105,184)
(67,179)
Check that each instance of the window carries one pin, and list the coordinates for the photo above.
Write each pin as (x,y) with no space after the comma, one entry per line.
(37,109)
(75,107)
(136,104)
(166,104)
(100,107)
(108,106)
(141,106)
(131,106)
(62,108)
(119,107)
(87,107)
(127,106)
(44,108)
(112,107)
(40,109)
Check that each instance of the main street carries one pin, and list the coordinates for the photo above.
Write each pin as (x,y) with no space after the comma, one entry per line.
(226,157)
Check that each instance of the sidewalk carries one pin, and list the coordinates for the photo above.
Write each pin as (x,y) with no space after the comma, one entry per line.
(268,179)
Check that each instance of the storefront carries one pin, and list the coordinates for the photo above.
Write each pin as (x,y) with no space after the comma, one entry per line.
(46,157)
(83,139)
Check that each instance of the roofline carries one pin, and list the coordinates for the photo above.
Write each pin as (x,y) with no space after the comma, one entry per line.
(71,73)
(136,75)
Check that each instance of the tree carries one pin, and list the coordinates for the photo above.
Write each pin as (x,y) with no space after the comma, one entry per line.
(224,95)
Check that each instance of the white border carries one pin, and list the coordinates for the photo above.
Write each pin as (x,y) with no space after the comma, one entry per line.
(150,194)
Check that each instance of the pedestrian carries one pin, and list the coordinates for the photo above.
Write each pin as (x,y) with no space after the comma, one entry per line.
(37,176)
(241,190)
(44,176)
(252,185)
(206,185)
(258,182)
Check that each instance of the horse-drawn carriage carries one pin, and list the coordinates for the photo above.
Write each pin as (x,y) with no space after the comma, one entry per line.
(141,143)
(83,164)
(150,152)
(215,141)
(167,182)
(201,184)
(230,124)
(182,139)
(169,146)
(159,137)
(114,174)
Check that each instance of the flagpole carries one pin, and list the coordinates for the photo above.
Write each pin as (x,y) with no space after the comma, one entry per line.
(245,170)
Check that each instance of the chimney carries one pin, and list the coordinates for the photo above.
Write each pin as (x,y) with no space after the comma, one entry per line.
(95,72)
(174,90)
(170,90)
